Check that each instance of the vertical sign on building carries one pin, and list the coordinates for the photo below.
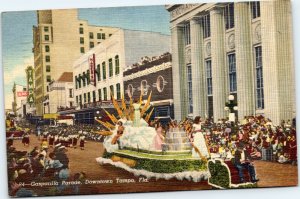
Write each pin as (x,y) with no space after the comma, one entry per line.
(92,69)
(30,83)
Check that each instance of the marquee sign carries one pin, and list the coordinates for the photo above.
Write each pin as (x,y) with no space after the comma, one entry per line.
(30,84)
(92,64)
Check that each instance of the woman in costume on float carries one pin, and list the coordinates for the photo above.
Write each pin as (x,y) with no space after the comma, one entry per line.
(137,113)
(198,140)
(159,138)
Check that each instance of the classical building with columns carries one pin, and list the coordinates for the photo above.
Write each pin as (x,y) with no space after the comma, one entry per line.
(242,49)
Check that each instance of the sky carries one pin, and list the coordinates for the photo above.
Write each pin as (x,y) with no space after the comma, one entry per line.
(17,39)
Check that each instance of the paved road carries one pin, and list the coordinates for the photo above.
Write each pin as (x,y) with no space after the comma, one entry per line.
(270,174)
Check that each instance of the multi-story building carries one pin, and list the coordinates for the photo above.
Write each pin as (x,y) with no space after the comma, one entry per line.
(61,94)
(242,49)
(154,76)
(19,95)
(109,59)
(59,39)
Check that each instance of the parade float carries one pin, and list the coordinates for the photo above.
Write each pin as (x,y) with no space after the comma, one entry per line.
(129,144)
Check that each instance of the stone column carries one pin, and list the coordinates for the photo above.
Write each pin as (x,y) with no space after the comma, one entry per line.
(198,76)
(220,92)
(179,73)
(244,62)
(277,55)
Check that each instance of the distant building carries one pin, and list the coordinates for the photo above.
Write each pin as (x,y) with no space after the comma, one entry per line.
(60,94)
(242,49)
(59,39)
(153,75)
(19,95)
(110,58)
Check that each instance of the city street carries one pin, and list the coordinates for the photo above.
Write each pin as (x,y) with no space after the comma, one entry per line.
(270,174)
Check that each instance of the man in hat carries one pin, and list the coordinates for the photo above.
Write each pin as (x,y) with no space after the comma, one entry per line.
(243,161)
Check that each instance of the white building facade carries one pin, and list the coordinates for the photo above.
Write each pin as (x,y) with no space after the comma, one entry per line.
(60,93)
(111,57)
(242,49)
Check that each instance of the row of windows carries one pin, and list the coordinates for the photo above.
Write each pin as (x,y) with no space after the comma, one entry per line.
(86,76)
(87,96)
(91,34)
(232,80)
(228,17)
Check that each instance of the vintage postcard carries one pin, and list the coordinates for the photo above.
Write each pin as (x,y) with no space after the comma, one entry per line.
(149,98)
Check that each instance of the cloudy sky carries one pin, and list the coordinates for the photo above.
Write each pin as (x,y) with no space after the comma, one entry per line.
(17,35)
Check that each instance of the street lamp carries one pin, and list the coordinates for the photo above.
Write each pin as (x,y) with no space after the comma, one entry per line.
(231,106)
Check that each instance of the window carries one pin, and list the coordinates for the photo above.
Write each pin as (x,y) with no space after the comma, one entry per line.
(255,9)
(84,97)
(232,73)
(89,97)
(71,104)
(88,77)
(76,83)
(91,35)
(80,30)
(46,37)
(103,36)
(46,29)
(47,58)
(98,72)
(99,36)
(117,65)
(209,88)
(103,70)
(48,78)
(83,79)
(70,93)
(81,49)
(118,88)
(144,87)
(209,77)
(80,99)
(187,34)
(81,40)
(94,96)
(99,95)
(92,45)
(47,48)
(76,99)
(190,88)
(110,65)
(79,81)
(105,93)
(111,89)
(229,16)
(206,26)
(259,79)
(210,103)
(47,68)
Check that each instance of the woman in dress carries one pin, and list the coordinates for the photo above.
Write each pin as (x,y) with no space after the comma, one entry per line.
(51,139)
(137,113)
(159,138)
(199,143)
(81,142)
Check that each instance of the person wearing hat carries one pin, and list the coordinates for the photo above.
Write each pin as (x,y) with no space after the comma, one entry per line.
(243,161)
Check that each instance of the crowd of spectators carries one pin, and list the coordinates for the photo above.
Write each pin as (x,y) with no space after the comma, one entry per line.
(40,167)
(263,139)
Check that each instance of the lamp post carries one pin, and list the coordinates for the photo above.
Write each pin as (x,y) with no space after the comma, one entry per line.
(231,106)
